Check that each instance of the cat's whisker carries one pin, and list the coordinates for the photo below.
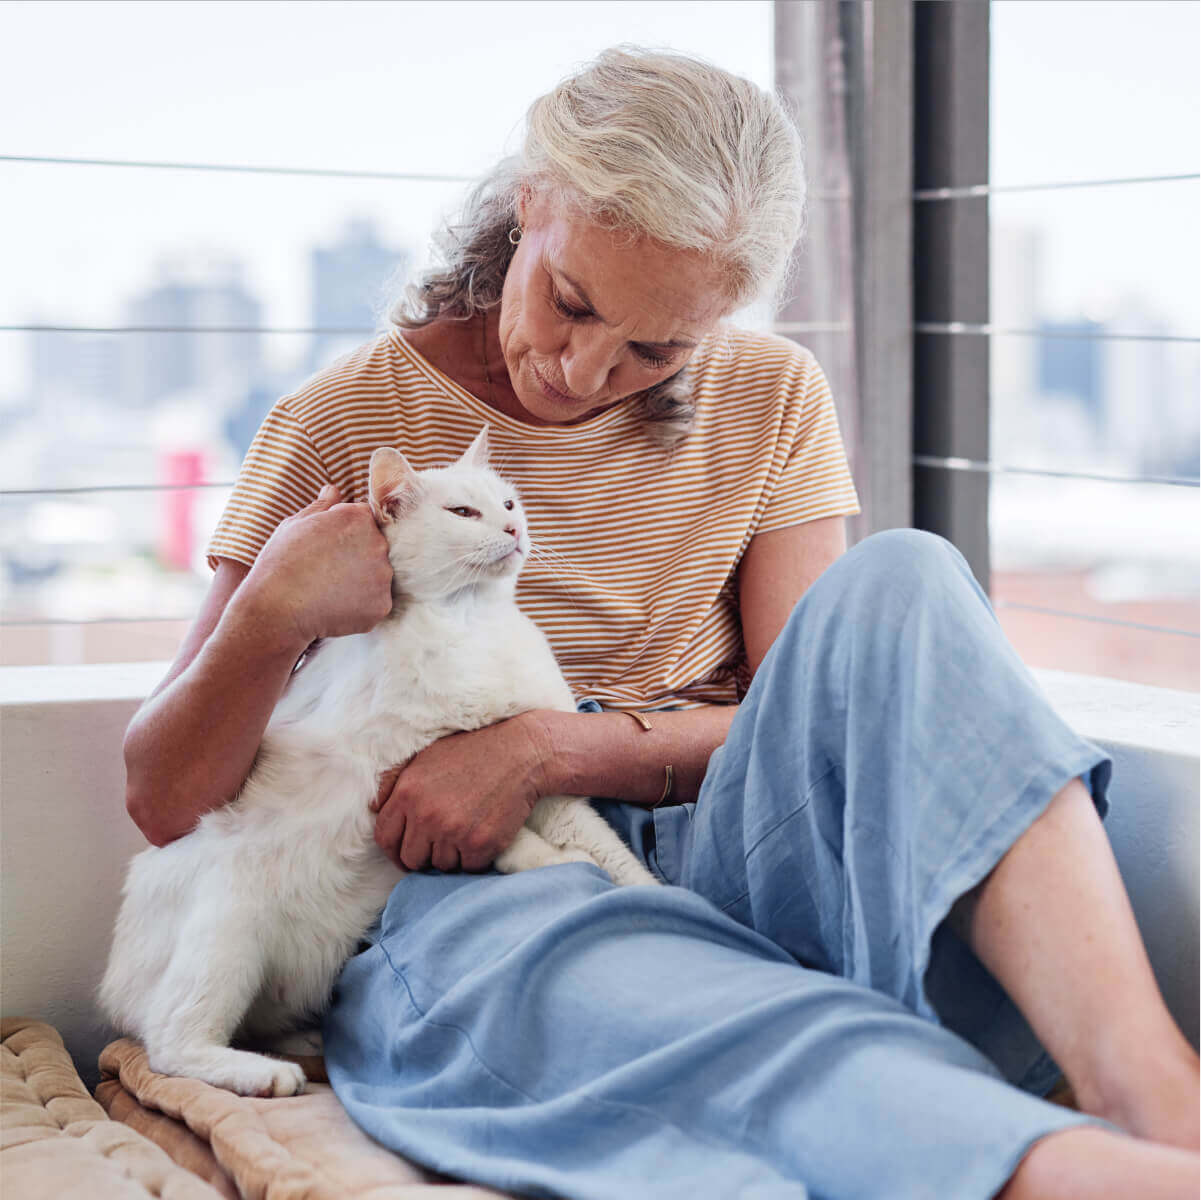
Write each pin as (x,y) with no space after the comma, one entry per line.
(563,567)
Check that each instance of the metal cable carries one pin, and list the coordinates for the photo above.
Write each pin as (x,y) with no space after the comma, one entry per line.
(941,327)
(1079,616)
(967,327)
(36,621)
(358,331)
(991,189)
(329,172)
(970,464)
(113,487)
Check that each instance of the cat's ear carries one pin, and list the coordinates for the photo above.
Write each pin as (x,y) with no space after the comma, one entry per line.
(476,455)
(393,485)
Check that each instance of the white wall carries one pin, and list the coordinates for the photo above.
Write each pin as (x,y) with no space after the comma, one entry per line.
(65,837)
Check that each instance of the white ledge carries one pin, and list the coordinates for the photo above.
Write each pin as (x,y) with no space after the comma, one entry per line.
(1107,710)
(1126,714)
(86,682)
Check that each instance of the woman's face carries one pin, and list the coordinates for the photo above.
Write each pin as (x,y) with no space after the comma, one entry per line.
(588,318)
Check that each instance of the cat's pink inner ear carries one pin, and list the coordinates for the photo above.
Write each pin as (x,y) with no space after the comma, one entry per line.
(392,485)
(476,455)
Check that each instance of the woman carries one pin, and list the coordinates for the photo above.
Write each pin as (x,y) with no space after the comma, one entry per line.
(888,825)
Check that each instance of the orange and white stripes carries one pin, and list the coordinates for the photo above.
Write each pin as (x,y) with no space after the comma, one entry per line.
(635,546)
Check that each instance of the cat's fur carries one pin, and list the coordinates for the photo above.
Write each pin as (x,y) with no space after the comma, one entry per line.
(243,924)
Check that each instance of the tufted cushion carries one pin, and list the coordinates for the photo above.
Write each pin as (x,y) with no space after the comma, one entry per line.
(57,1143)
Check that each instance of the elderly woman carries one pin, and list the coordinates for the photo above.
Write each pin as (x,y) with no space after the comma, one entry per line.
(886,845)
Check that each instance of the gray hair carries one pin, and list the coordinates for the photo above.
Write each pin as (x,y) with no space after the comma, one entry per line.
(652,144)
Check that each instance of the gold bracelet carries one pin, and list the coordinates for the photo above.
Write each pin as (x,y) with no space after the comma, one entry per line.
(669,775)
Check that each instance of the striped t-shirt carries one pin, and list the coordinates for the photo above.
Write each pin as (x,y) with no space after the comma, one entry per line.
(635,587)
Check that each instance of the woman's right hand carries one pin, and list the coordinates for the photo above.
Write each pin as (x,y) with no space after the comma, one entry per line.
(324,572)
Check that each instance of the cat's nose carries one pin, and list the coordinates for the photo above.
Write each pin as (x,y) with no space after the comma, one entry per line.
(512,530)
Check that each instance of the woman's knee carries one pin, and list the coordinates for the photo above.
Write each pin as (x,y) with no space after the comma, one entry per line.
(896,555)
(891,569)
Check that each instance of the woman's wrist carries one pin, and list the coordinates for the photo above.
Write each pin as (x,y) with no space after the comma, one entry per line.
(255,617)
(611,754)
(550,735)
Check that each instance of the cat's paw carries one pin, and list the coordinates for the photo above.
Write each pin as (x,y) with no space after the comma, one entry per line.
(239,1071)
(278,1079)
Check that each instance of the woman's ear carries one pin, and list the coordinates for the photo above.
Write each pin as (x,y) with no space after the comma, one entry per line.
(527,199)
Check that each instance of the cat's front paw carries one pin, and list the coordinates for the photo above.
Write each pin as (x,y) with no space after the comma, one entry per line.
(239,1071)
(275,1078)
(285,1079)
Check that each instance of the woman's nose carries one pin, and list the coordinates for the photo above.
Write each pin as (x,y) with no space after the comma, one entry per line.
(586,362)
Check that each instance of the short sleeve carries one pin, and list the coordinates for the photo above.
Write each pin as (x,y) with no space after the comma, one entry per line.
(814,480)
(281,474)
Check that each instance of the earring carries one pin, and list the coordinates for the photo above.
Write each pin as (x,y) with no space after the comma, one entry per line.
(514,235)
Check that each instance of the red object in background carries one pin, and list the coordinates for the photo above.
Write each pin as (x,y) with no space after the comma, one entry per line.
(178,470)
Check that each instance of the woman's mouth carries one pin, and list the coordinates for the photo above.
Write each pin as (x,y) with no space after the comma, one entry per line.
(553,393)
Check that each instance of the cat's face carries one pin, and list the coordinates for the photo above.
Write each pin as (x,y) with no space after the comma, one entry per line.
(448,528)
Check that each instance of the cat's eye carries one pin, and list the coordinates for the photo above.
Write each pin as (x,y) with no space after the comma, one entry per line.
(509,505)
(461,510)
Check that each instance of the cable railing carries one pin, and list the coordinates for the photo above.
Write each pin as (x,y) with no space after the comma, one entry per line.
(971,329)
(952,463)
(241,168)
(1079,616)
(937,327)
(947,328)
(976,190)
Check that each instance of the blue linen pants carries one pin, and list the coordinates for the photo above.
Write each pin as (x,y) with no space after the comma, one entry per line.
(792,1017)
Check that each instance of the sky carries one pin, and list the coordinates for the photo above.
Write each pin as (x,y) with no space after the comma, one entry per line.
(422,87)
(1081,89)
(1098,89)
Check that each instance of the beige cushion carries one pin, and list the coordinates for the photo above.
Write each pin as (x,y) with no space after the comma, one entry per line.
(57,1143)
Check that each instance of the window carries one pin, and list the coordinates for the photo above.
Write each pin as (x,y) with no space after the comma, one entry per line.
(1094,365)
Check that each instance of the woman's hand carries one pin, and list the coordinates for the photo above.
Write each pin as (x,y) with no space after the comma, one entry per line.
(460,801)
(323,573)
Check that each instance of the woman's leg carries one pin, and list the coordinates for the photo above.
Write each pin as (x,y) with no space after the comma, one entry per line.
(1053,924)
(891,751)
(548,1033)
(1095,1164)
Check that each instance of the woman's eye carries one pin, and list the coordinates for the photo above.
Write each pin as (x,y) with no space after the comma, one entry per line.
(572,314)
(509,505)
(461,510)
(651,358)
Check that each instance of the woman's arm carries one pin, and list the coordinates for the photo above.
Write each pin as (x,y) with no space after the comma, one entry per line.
(609,755)
(777,569)
(324,572)
(496,775)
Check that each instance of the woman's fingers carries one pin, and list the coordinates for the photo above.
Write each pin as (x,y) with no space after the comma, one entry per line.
(324,571)
(459,802)
(326,498)
(445,857)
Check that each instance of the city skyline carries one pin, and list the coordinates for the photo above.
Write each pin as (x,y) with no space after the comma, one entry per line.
(1079,92)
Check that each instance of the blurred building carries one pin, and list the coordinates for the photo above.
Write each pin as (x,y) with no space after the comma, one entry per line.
(193,291)
(1015,302)
(350,288)
(72,365)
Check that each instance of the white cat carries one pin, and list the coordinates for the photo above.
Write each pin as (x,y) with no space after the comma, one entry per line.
(243,924)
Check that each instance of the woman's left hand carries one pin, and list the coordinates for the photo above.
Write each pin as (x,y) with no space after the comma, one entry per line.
(460,802)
